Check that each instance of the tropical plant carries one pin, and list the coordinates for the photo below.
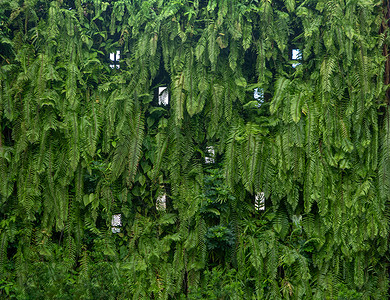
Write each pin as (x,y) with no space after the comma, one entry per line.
(83,138)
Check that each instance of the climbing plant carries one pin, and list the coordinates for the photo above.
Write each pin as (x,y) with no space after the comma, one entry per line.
(242,148)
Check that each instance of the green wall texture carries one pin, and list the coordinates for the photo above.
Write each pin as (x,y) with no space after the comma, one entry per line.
(84,138)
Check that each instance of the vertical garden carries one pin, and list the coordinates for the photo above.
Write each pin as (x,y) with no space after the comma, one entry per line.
(200,149)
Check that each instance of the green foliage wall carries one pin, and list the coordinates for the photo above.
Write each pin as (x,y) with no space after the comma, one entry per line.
(81,141)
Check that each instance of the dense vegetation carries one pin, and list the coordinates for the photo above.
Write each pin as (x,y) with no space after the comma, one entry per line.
(82,140)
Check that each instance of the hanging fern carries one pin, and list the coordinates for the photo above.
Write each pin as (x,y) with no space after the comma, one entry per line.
(84,138)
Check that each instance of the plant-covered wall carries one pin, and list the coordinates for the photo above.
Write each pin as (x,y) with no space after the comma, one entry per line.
(277,100)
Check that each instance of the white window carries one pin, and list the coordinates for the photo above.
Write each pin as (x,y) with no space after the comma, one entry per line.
(258,94)
(209,155)
(163,96)
(296,54)
(161,203)
(116,223)
(260,201)
(114,57)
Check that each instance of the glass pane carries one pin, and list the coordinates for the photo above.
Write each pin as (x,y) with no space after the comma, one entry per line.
(258,94)
(161,203)
(115,229)
(209,155)
(116,220)
(260,201)
(296,54)
(163,96)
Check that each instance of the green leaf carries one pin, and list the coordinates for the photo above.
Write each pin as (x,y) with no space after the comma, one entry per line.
(88,198)
(296,107)
(241,81)
(281,86)
(214,211)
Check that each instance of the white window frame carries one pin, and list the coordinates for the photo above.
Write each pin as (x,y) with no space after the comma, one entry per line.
(296,56)
(209,157)
(260,201)
(258,95)
(116,223)
(163,96)
(115,58)
(161,202)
